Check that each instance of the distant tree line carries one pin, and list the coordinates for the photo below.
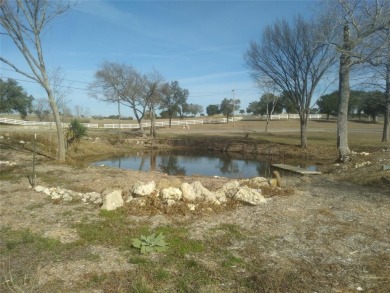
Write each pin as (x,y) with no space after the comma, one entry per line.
(361,103)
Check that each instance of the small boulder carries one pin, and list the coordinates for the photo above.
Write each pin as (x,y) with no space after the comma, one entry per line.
(94,196)
(210,197)
(231,188)
(171,193)
(201,192)
(258,182)
(112,200)
(278,178)
(221,196)
(142,189)
(273,182)
(251,196)
(46,191)
(39,188)
(55,195)
(66,197)
(188,191)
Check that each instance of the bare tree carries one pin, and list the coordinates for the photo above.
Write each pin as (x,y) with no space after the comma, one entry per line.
(153,95)
(120,83)
(42,109)
(60,91)
(293,58)
(80,111)
(269,97)
(380,63)
(355,21)
(24,21)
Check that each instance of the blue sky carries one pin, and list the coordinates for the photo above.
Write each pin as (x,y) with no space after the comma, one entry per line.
(198,43)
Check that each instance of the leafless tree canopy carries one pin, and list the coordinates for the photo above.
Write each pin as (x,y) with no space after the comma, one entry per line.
(24,21)
(293,57)
(121,83)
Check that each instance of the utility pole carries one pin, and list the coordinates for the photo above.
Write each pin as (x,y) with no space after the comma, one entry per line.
(234,107)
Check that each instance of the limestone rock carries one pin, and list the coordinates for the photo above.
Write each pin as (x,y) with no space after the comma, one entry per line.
(171,193)
(188,191)
(191,207)
(55,195)
(201,192)
(66,197)
(39,188)
(231,188)
(98,201)
(94,196)
(142,189)
(258,182)
(250,196)
(210,197)
(273,182)
(220,196)
(112,200)
(278,178)
(46,191)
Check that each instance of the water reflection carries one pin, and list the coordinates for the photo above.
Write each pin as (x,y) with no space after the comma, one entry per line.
(192,163)
(169,165)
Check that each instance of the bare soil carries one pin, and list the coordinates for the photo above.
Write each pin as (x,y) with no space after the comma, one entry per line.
(332,228)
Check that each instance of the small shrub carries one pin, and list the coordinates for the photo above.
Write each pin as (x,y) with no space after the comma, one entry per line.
(75,132)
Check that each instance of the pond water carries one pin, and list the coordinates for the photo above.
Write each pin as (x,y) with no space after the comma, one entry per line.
(194,163)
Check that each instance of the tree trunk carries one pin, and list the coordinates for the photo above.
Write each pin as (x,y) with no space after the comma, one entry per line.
(170,121)
(344,91)
(266,124)
(385,135)
(152,122)
(141,128)
(61,155)
(303,121)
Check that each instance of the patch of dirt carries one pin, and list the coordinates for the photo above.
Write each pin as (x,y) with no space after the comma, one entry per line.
(328,219)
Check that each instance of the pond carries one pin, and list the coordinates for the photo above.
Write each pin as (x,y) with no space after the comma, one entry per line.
(189,163)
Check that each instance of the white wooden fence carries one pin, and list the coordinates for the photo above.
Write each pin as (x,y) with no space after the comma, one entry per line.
(148,124)
(296,116)
(38,123)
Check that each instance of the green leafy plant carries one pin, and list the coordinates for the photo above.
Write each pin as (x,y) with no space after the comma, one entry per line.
(151,243)
(75,132)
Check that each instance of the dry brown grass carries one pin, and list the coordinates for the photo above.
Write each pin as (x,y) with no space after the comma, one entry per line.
(315,235)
